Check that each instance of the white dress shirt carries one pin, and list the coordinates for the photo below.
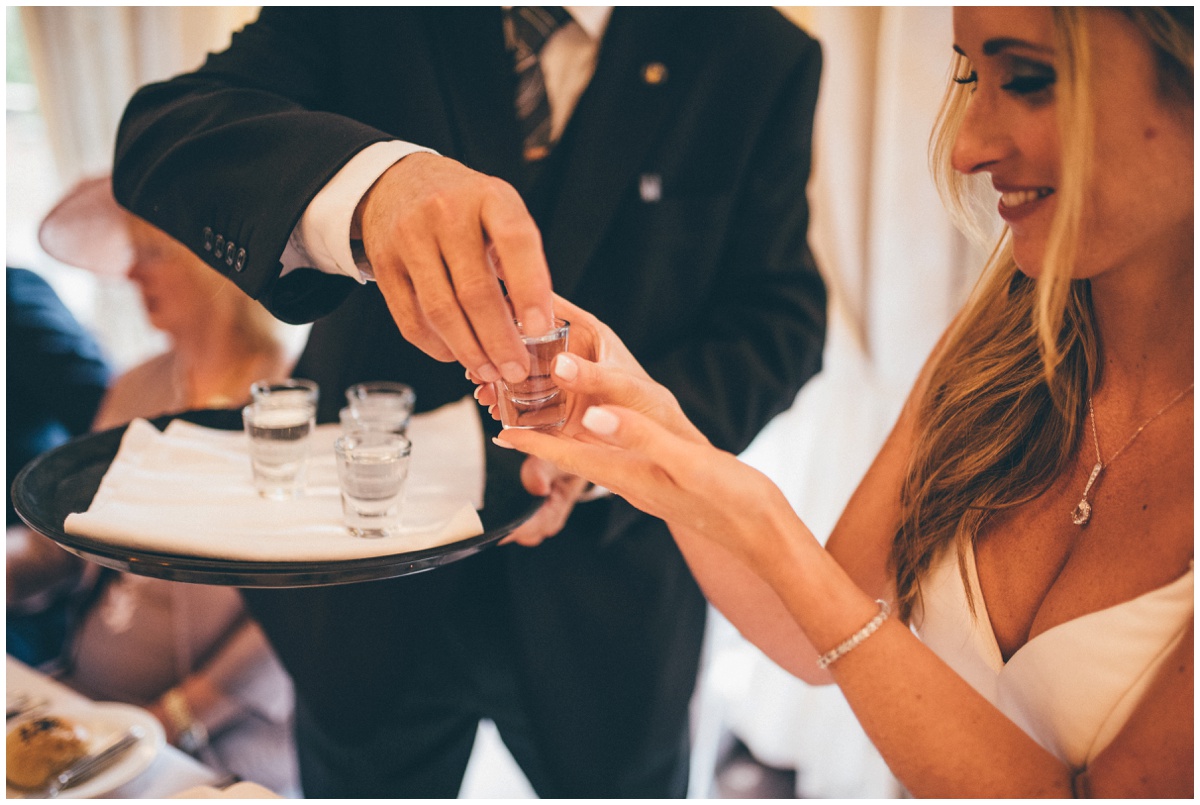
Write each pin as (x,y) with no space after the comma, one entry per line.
(322,238)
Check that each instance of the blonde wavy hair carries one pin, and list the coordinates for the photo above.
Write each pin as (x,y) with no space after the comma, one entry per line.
(1007,396)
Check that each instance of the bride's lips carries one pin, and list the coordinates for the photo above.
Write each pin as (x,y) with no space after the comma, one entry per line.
(1018,202)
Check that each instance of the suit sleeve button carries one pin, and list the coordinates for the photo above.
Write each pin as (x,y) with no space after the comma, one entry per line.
(208,239)
(240,262)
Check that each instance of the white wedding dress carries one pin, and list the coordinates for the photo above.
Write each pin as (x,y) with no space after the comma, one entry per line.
(1072,687)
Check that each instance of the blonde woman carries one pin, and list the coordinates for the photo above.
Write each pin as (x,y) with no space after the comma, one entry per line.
(1031,514)
(189,653)
(220,341)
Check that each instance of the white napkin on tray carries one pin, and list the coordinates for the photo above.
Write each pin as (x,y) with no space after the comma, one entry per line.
(188,491)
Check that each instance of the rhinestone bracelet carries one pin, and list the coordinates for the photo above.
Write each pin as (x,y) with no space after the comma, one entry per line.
(830,657)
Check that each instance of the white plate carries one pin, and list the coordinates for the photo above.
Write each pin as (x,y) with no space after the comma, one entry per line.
(106,721)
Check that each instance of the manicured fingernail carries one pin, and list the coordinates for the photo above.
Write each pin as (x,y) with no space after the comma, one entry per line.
(513,372)
(534,321)
(600,422)
(487,373)
(496,440)
(477,390)
(565,367)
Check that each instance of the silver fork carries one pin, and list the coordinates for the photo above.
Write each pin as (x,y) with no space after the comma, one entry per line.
(90,765)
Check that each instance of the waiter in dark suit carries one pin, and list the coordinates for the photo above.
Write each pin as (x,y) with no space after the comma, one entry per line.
(658,158)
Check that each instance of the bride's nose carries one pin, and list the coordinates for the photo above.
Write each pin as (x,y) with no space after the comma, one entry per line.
(984,135)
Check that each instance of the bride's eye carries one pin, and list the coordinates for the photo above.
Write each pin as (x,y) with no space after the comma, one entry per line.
(970,78)
(1029,84)
(1029,77)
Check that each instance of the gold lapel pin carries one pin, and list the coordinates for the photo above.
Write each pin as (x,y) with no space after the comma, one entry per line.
(654,73)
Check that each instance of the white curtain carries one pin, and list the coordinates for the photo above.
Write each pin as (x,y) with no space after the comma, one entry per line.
(88,61)
(897,272)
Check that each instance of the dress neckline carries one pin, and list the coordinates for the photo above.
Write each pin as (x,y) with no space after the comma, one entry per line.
(983,615)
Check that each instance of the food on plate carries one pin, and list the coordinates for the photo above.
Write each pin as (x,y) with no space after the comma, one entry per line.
(40,748)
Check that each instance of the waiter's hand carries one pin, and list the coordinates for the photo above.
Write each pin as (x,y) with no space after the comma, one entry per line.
(439,237)
(561,492)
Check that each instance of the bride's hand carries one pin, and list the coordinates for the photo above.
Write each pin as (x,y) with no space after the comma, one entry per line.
(599,369)
(671,475)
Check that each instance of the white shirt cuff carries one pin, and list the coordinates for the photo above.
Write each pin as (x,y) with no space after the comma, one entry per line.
(322,238)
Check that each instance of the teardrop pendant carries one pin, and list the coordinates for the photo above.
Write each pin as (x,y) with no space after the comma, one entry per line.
(1082,513)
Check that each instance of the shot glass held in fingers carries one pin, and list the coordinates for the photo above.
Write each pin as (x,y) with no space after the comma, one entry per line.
(372,471)
(536,402)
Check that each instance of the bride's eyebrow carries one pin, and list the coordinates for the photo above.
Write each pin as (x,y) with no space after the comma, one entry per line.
(993,46)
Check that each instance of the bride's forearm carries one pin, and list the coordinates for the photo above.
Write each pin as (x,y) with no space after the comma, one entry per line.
(774,547)
(750,604)
(939,736)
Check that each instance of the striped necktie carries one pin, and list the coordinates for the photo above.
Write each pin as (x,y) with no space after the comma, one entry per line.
(526,29)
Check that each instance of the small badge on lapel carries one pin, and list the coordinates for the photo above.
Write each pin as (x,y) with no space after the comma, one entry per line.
(654,73)
(650,186)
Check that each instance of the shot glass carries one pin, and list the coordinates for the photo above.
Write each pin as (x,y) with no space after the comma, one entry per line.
(379,405)
(279,442)
(536,402)
(354,421)
(372,471)
(291,393)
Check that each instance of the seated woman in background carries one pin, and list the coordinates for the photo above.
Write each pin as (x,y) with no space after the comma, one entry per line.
(189,653)
(1031,514)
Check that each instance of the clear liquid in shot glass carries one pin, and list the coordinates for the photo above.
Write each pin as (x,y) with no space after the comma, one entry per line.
(537,402)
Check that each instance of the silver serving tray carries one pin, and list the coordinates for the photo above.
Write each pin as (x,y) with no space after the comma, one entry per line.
(65,479)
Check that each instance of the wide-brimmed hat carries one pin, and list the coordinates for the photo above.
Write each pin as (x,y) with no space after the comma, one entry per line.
(88,229)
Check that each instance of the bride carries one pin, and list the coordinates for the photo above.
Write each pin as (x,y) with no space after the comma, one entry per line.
(1030,516)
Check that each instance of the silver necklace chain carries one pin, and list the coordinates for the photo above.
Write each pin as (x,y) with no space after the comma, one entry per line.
(1083,510)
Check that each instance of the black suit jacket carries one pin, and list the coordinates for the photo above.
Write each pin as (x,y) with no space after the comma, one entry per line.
(709,280)
(712,285)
